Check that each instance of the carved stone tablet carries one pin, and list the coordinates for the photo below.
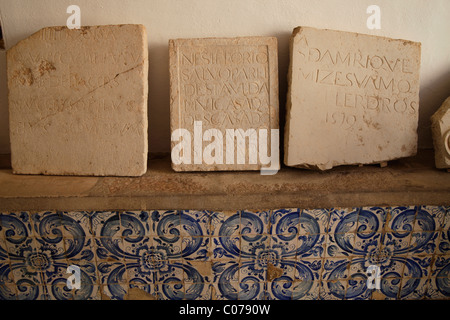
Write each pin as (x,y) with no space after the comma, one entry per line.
(353,99)
(78,101)
(440,128)
(224,102)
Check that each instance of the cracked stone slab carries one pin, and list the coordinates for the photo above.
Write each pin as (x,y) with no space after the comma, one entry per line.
(352,99)
(78,101)
(440,129)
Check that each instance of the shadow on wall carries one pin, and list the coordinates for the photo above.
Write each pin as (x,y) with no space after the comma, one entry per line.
(283,66)
(4,113)
(2,42)
(158,99)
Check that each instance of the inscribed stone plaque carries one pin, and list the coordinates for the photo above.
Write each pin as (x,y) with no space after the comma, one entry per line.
(352,99)
(224,96)
(440,128)
(78,101)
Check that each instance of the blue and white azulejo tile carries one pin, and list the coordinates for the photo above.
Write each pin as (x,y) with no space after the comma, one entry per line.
(285,254)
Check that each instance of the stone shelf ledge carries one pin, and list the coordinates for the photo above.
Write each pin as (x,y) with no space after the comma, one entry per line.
(410,181)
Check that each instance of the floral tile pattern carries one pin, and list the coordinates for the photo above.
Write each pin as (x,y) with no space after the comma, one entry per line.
(284,254)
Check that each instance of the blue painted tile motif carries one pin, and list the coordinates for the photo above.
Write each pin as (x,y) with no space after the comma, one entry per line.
(197,254)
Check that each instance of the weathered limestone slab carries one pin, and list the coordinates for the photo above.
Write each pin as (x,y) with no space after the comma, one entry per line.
(78,101)
(219,86)
(353,99)
(440,128)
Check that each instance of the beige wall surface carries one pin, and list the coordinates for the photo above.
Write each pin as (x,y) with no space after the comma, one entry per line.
(417,20)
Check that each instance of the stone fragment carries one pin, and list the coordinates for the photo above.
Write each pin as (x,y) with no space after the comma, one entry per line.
(378,295)
(440,128)
(78,101)
(352,99)
(273,272)
(223,93)
(136,293)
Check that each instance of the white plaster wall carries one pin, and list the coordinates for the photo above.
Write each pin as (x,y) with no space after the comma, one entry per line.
(417,20)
